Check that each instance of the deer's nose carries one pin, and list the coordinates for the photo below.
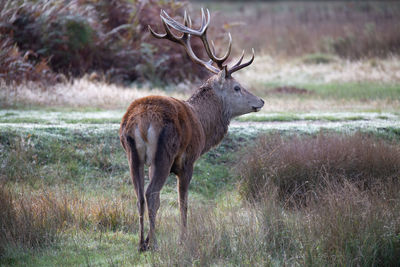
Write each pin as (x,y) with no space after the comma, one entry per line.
(262,101)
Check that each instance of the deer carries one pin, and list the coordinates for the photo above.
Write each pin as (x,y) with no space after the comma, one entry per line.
(169,135)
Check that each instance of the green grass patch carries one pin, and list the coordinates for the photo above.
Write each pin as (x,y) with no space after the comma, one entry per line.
(293,117)
(6,119)
(94,120)
(277,118)
(82,248)
(348,91)
(90,157)
(318,58)
(356,90)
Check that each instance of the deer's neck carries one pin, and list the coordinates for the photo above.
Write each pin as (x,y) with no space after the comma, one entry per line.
(212,114)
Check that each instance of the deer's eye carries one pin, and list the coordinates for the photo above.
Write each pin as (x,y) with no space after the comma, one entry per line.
(236,88)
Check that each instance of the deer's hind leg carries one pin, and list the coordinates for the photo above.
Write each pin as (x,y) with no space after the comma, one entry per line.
(167,147)
(136,167)
(184,177)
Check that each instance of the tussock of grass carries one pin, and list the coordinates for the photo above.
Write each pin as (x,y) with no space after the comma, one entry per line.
(351,226)
(36,219)
(30,220)
(299,166)
(230,235)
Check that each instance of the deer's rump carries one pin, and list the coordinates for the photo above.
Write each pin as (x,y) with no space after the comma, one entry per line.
(155,121)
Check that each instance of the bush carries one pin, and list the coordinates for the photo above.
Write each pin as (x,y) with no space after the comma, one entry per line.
(299,166)
(15,67)
(108,37)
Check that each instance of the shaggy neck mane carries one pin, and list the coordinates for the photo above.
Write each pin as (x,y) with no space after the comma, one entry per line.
(212,113)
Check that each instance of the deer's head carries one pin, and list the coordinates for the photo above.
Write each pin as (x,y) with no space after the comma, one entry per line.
(236,99)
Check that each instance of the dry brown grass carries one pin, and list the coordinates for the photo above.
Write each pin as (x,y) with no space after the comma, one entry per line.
(296,104)
(340,192)
(29,220)
(225,234)
(348,29)
(341,225)
(267,69)
(77,93)
(300,166)
(33,219)
(351,226)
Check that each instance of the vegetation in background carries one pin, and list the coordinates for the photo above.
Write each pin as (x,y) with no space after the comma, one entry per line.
(353,29)
(77,37)
(41,39)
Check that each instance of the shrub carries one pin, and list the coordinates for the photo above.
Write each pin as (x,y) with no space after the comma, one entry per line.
(15,67)
(298,166)
(108,37)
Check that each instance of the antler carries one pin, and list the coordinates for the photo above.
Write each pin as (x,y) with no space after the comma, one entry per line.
(239,66)
(184,40)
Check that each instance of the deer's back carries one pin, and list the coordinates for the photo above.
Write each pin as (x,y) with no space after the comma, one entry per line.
(150,118)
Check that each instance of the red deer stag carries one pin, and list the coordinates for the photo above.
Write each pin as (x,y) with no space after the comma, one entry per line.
(169,135)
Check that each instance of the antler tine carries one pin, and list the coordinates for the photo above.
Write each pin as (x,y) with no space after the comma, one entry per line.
(176,25)
(156,35)
(237,66)
(190,22)
(221,60)
(211,53)
(213,47)
(187,20)
(168,35)
(240,60)
(204,22)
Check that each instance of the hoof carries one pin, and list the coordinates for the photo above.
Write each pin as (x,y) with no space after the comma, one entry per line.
(148,246)
(143,247)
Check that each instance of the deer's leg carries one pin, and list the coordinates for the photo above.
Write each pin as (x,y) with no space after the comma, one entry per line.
(158,179)
(183,190)
(159,171)
(137,174)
